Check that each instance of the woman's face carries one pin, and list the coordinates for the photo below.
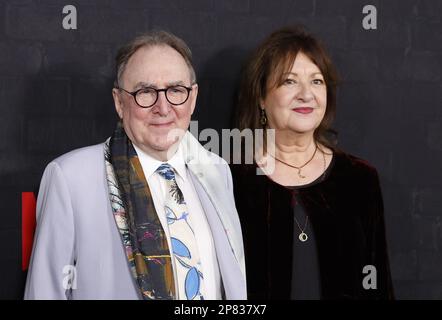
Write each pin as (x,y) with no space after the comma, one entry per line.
(299,103)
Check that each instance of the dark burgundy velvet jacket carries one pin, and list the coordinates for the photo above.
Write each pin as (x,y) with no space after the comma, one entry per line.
(346,214)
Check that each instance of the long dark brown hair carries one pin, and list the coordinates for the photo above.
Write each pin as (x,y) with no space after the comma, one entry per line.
(265,70)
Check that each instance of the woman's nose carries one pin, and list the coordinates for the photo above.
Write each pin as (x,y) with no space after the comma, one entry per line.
(305,92)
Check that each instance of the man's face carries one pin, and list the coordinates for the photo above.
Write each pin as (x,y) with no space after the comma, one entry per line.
(153,129)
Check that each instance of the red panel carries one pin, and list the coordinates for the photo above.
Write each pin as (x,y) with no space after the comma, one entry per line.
(28,204)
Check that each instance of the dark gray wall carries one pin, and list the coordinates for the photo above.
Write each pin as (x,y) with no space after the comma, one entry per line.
(55,96)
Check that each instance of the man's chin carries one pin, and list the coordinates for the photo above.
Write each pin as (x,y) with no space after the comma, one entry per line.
(164,143)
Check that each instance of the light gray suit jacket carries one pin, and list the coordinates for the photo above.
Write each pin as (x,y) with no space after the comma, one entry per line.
(77,245)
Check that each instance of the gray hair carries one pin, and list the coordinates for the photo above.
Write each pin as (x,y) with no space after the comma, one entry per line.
(149,39)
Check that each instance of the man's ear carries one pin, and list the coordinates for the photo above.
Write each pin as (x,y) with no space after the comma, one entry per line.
(194,94)
(117,102)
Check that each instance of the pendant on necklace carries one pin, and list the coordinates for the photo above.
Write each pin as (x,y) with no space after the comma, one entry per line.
(303,237)
(300,175)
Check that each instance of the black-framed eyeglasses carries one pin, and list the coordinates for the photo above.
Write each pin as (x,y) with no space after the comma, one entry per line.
(146,97)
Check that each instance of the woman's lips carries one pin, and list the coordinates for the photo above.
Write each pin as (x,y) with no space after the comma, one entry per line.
(303,110)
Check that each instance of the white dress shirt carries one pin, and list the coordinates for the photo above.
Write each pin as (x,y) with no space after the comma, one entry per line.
(203,234)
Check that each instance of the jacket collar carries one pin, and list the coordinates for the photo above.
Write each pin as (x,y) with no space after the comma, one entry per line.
(201,163)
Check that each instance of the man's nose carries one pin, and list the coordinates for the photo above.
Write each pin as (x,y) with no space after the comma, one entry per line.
(162,106)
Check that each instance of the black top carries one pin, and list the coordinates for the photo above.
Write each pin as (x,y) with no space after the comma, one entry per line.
(345,229)
(305,279)
(305,276)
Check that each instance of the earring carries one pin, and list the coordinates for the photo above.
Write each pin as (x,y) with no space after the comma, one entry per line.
(263,118)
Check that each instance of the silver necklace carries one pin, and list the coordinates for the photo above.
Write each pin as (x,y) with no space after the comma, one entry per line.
(302,236)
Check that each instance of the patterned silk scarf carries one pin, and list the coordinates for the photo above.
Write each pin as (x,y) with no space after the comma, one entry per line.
(142,234)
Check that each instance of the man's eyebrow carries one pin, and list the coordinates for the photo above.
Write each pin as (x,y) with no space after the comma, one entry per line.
(143,84)
(176,83)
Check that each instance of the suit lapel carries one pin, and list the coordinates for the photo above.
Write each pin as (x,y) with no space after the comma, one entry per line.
(231,268)
(219,207)
(206,175)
